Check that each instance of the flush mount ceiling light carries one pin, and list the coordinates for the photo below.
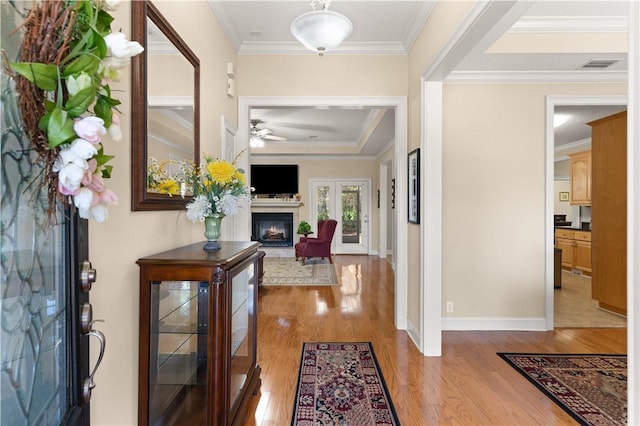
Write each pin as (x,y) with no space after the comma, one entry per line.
(321,30)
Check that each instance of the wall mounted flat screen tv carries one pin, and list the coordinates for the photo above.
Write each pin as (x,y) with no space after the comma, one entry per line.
(274,179)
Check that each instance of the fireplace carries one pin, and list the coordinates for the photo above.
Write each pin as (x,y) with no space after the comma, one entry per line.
(272,229)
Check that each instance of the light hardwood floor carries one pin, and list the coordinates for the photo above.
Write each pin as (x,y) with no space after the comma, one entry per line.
(468,385)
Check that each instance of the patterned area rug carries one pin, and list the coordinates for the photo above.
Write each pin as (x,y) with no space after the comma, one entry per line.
(288,271)
(591,388)
(341,384)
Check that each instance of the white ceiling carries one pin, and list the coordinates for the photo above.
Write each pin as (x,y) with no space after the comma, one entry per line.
(535,41)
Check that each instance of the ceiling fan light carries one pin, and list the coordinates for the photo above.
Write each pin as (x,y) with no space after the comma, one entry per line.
(256,142)
(321,30)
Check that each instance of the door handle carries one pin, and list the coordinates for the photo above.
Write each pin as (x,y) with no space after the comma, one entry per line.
(88,276)
(86,325)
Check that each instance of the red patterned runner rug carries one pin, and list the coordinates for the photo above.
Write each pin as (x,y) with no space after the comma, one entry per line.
(341,384)
(591,388)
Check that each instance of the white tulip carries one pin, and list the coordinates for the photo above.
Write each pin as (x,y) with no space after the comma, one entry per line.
(119,46)
(83,149)
(83,198)
(71,176)
(99,213)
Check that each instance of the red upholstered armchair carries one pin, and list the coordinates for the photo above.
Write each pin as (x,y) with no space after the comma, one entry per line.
(317,247)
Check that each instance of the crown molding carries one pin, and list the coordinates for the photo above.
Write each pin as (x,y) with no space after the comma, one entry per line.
(562,152)
(347,48)
(312,157)
(537,77)
(570,24)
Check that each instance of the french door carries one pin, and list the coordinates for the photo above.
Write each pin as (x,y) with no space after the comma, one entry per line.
(347,201)
(44,302)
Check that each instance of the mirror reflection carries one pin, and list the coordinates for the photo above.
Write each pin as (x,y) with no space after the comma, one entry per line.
(166,126)
(170,118)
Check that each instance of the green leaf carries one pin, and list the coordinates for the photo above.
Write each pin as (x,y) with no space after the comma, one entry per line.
(102,109)
(101,45)
(103,158)
(78,104)
(59,128)
(43,123)
(104,21)
(87,63)
(106,172)
(44,76)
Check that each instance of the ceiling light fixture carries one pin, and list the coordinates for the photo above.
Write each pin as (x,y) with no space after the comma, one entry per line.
(321,30)
(256,142)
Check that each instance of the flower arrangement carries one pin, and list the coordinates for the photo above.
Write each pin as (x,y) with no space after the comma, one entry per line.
(159,180)
(218,188)
(68,58)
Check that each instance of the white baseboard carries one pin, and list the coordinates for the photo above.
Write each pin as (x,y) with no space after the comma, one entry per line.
(494,324)
(414,334)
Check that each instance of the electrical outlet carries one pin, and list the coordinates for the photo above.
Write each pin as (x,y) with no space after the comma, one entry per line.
(449,307)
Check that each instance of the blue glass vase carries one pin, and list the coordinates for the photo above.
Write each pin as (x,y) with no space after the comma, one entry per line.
(212,228)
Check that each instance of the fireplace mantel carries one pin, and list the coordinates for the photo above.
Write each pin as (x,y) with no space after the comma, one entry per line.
(274,202)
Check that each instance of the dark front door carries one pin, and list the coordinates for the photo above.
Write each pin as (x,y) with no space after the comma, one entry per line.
(44,347)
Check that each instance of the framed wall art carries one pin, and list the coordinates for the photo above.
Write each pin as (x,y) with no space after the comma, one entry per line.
(414,186)
(564,196)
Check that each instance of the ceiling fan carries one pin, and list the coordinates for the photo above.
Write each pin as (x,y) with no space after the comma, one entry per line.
(258,136)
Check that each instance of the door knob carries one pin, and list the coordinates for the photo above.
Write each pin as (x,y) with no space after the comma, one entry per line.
(87,275)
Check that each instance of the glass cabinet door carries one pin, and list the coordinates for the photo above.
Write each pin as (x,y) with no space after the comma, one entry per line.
(178,352)
(242,330)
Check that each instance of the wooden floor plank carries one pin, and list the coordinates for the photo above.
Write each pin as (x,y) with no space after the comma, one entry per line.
(468,385)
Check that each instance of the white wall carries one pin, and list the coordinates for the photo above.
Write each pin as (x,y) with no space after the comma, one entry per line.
(562,207)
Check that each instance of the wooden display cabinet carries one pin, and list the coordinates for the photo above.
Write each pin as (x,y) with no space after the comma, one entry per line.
(197,355)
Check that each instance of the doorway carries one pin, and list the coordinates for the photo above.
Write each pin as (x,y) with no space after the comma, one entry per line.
(574,293)
(399,105)
(347,201)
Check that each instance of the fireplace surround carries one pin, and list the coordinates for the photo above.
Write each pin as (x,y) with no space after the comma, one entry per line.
(272,229)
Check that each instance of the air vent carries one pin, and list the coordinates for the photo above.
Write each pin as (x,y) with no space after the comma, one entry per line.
(599,63)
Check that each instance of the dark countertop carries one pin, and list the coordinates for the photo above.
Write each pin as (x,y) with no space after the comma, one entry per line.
(573,228)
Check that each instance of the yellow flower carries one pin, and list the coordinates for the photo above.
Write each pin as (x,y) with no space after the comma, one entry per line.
(240,177)
(221,171)
(169,186)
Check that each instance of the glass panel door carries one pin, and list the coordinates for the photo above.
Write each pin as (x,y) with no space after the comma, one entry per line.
(348,203)
(43,356)
(242,331)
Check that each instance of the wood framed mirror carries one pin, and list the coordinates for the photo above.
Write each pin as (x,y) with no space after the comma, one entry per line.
(165,108)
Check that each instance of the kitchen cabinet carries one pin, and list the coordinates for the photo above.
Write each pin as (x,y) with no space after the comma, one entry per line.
(197,344)
(576,249)
(580,176)
(609,211)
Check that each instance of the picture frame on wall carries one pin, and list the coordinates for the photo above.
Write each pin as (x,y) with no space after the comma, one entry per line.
(564,196)
(414,186)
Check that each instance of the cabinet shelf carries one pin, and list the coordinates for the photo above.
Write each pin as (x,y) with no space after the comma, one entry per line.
(180,369)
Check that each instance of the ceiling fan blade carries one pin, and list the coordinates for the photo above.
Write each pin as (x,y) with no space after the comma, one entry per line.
(274,138)
(263,132)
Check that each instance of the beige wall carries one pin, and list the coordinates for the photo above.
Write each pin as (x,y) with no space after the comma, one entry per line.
(446,18)
(126,236)
(493,196)
(313,75)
